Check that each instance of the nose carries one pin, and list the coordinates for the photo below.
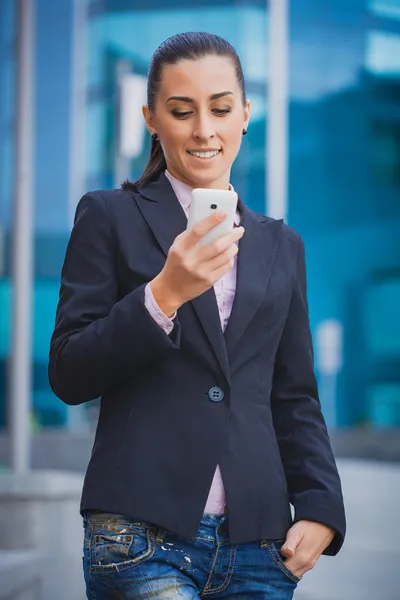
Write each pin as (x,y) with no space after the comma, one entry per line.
(204,129)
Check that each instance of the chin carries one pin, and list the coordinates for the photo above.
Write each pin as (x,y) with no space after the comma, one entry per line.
(203,178)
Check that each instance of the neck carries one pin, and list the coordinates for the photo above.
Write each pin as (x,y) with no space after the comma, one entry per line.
(220,184)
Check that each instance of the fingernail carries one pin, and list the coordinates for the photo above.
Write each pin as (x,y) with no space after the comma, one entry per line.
(220,215)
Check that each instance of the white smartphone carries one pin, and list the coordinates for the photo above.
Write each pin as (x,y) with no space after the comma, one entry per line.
(206,201)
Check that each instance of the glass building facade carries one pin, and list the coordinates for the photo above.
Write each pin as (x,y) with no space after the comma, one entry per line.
(7,99)
(343,166)
(344,190)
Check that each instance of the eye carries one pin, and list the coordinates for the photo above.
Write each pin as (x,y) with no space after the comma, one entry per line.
(181,115)
(222,111)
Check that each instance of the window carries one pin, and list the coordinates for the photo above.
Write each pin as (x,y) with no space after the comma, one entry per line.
(385,8)
(383,53)
(382,316)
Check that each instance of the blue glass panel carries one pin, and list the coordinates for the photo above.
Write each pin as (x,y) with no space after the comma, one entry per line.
(382,318)
(385,8)
(383,53)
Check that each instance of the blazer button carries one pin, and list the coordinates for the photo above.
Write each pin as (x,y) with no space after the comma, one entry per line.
(215,394)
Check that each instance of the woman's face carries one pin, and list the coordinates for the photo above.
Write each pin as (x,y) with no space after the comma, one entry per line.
(199,109)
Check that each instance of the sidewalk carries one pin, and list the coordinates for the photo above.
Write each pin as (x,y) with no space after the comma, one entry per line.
(367,568)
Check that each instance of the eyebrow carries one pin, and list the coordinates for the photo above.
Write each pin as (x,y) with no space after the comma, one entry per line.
(190,100)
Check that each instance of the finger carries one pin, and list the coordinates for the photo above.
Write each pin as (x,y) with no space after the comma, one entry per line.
(223,259)
(293,539)
(181,236)
(294,567)
(222,244)
(218,273)
(179,241)
(301,563)
(287,551)
(200,229)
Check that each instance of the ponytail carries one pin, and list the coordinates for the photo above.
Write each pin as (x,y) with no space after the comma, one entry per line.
(155,165)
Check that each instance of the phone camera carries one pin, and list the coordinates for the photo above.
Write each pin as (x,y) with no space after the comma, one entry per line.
(213,206)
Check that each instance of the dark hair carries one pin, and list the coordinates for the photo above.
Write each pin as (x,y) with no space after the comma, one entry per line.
(183,46)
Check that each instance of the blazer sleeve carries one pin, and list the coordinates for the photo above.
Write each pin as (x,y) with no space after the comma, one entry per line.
(312,477)
(99,339)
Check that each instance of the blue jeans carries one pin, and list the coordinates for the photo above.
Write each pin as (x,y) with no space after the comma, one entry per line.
(124,558)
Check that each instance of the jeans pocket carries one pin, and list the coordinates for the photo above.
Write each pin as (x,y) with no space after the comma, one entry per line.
(274,548)
(121,547)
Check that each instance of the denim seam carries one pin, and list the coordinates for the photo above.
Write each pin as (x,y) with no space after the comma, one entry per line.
(205,590)
(228,577)
(128,564)
(87,535)
(90,559)
(101,521)
(92,587)
(125,545)
(279,563)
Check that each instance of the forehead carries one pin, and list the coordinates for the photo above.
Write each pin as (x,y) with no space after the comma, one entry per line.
(199,78)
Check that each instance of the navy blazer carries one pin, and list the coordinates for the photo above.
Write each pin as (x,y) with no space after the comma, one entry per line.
(174,407)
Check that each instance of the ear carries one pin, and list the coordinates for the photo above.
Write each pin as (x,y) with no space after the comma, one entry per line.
(247,111)
(149,119)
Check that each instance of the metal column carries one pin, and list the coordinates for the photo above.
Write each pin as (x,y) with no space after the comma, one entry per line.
(22,245)
(277,114)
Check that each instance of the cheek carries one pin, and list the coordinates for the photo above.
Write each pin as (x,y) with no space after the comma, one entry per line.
(232,141)
(174,141)
(231,133)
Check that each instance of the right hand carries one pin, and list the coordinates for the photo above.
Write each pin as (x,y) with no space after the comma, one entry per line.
(190,269)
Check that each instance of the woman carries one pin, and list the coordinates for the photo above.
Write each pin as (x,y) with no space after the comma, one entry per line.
(210,422)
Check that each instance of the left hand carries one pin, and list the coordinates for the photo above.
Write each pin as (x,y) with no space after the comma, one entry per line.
(305,542)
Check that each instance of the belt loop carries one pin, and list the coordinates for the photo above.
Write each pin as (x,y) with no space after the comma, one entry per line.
(160,535)
(221,524)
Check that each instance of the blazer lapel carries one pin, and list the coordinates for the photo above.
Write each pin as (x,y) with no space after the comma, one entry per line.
(166,218)
(257,250)
(162,211)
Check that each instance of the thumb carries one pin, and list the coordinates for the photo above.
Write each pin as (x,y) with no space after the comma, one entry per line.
(293,539)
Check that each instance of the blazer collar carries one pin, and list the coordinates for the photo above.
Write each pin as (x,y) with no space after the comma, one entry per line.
(160,189)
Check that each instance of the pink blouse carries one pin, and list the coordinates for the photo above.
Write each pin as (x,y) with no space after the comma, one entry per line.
(225,292)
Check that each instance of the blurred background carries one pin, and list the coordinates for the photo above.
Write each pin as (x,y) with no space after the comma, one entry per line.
(323,151)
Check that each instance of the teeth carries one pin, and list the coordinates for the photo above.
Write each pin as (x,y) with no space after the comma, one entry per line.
(204,154)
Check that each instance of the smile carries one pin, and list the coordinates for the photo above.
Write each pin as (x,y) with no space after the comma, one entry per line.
(208,154)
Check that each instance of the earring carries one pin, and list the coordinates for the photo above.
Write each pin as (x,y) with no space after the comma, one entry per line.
(154,137)
(244,132)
